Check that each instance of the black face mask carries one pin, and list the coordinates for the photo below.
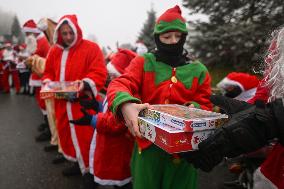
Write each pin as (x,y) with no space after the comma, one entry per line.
(171,54)
(233,92)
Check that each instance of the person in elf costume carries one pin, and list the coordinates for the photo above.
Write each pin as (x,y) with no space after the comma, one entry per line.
(252,126)
(37,44)
(112,144)
(166,76)
(73,58)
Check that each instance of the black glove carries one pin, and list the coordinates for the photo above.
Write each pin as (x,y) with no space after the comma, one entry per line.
(90,104)
(229,105)
(277,108)
(246,131)
(85,120)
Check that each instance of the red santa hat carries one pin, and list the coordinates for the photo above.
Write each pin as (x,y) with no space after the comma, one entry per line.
(119,61)
(243,80)
(30,26)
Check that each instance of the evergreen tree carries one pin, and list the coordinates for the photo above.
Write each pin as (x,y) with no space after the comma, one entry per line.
(236,31)
(146,35)
(16,29)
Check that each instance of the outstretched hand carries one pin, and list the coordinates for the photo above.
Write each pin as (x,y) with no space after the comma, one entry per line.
(130,113)
(229,105)
(250,128)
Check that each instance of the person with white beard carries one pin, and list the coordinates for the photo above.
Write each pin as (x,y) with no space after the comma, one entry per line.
(37,44)
(252,126)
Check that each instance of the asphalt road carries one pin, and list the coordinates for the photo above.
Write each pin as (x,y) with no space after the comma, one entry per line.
(24,164)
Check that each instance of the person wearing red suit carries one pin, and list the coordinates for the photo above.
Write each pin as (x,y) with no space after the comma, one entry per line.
(1,67)
(73,58)
(37,44)
(9,68)
(166,76)
(252,125)
(112,144)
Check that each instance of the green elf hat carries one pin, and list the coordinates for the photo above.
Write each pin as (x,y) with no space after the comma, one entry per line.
(170,20)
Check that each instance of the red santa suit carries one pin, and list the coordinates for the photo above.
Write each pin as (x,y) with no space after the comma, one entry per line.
(42,48)
(9,68)
(82,60)
(1,70)
(112,144)
(270,175)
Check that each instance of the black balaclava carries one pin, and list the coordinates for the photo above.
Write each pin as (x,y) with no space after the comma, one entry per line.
(171,54)
(233,92)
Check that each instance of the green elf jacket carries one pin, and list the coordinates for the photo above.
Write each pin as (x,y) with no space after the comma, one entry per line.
(149,81)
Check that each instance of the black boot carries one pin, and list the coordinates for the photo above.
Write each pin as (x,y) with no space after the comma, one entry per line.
(126,186)
(59,159)
(50,148)
(88,181)
(44,136)
(44,125)
(72,171)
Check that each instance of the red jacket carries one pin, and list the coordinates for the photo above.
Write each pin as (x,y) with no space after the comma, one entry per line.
(111,150)
(271,170)
(82,60)
(148,81)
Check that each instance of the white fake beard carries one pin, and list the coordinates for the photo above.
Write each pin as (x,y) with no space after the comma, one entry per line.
(31,44)
(275,76)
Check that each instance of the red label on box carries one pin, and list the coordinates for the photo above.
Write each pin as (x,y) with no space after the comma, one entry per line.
(171,139)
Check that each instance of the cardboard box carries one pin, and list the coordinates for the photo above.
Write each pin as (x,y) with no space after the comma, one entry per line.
(60,90)
(171,139)
(184,118)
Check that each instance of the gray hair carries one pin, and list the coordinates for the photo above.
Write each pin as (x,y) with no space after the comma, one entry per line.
(274,72)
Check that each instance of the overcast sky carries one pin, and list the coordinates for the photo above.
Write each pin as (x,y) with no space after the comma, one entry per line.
(108,20)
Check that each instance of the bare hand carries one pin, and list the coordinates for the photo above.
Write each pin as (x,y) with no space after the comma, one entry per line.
(80,84)
(130,113)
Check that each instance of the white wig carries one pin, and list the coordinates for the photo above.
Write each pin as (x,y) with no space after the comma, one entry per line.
(274,72)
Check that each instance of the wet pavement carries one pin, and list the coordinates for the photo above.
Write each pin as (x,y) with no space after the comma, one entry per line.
(24,164)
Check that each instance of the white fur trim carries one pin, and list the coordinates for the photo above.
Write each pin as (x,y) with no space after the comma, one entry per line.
(112,70)
(227,82)
(246,95)
(261,182)
(112,182)
(63,65)
(44,112)
(31,30)
(69,158)
(79,157)
(46,80)
(71,24)
(92,152)
(41,35)
(92,85)
(105,105)
(34,83)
